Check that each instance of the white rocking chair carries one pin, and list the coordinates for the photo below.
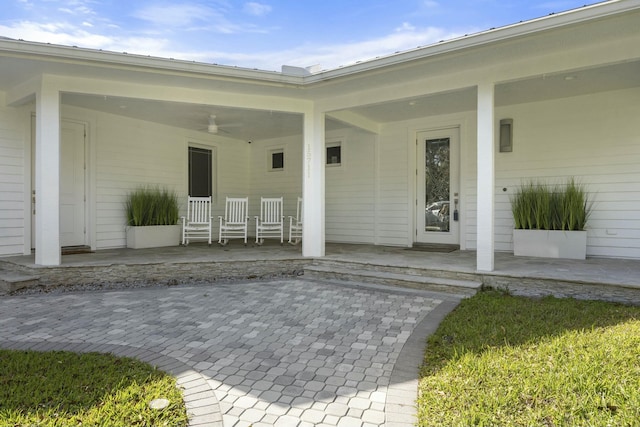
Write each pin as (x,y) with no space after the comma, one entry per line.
(295,225)
(270,223)
(198,222)
(234,223)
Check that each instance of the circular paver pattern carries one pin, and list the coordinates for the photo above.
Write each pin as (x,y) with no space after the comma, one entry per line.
(279,353)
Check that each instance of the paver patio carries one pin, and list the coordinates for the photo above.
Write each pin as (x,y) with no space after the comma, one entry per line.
(275,353)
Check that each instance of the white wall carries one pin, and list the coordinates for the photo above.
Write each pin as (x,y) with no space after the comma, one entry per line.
(397,176)
(349,188)
(127,153)
(395,191)
(595,139)
(13,145)
(286,183)
(370,197)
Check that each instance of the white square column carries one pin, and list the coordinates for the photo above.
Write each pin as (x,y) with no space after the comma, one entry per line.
(313,227)
(486,178)
(47,176)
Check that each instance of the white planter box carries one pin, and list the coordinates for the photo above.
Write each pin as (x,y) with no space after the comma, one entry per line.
(153,236)
(550,243)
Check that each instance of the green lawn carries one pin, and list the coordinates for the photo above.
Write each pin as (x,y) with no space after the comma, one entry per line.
(500,360)
(68,389)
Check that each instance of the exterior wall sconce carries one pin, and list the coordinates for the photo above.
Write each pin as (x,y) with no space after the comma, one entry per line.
(506,135)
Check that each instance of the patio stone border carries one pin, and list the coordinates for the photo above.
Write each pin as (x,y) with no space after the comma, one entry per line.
(202,405)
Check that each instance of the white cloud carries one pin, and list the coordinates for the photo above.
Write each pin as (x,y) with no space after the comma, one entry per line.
(155,41)
(328,56)
(184,15)
(68,35)
(256,9)
(406,27)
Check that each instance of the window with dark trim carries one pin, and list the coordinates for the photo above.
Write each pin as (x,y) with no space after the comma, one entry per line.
(334,154)
(200,172)
(277,160)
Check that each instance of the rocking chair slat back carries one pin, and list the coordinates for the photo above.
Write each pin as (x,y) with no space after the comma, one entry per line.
(198,222)
(295,224)
(271,210)
(236,210)
(199,209)
(270,223)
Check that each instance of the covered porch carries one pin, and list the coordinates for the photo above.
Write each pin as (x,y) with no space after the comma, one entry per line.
(594,278)
(570,97)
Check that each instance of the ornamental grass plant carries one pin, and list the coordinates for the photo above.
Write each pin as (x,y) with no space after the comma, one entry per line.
(151,206)
(538,206)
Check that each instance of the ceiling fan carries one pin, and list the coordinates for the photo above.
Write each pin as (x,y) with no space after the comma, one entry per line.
(214,128)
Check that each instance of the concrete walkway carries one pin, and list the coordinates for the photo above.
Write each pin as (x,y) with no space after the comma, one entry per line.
(279,353)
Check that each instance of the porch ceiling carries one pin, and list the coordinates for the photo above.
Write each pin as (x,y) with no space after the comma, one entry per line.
(235,123)
(248,124)
(532,89)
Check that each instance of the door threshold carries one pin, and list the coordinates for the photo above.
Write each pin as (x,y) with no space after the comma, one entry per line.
(434,247)
(72,250)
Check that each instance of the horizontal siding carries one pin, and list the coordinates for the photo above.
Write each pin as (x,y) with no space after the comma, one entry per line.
(127,156)
(350,190)
(593,138)
(264,182)
(12,179)
(393,220)
(130,153)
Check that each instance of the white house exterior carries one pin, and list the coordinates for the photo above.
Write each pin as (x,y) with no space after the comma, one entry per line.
(80,128)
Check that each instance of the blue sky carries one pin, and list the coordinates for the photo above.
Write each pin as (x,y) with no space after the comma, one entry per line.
(263,34)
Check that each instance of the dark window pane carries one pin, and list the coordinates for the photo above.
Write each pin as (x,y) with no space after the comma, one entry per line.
(277,160)
(334,155)
(200,173)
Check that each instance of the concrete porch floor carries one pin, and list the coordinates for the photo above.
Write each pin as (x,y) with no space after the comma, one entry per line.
(522,275)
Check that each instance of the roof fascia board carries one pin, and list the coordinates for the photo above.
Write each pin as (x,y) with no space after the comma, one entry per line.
(178,94)
(106,59)
(576,16)
(101,58)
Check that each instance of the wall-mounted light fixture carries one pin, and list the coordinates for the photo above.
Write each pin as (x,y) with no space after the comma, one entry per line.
(506,135)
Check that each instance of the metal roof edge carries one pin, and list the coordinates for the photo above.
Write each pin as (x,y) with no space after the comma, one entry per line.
(556,20)
(61,53)
(19,47)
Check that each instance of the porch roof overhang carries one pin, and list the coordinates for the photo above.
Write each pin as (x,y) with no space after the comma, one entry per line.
(425,81)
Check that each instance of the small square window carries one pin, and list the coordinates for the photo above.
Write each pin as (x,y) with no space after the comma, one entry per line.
(334,155)
(277,160)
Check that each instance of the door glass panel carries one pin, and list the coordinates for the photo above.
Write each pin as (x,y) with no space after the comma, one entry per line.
(437,185)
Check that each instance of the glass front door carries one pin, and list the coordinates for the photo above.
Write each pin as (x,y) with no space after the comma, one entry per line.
(437,187)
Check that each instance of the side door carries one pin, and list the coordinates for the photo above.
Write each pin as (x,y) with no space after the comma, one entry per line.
(72,184)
